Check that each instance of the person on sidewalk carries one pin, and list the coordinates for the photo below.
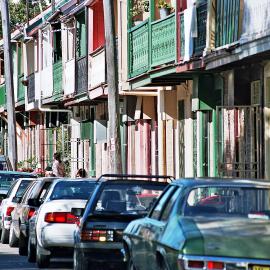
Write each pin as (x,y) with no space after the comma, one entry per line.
(58,167)
(81,173)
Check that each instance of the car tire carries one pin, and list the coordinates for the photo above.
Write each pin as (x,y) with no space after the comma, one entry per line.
(13,239)
(43,261)
(78,261)
(31,252)
(4,236)
(22,245)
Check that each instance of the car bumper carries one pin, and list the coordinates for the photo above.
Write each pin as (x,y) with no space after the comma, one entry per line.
(101,252)
(58,235)
(7,223)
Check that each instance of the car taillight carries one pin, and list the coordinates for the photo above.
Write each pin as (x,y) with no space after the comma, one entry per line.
(97,235)
(215,265)
(31,212)
(9,211)
(195,264)
(60,217)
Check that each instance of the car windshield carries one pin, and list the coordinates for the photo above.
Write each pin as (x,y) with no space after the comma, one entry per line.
(7,179)
(251,202)
(128,198)
(72,190)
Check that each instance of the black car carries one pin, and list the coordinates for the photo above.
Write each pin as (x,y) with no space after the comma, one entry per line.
(28,204)
(117,200)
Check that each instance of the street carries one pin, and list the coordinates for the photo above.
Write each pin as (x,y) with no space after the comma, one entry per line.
(9,259)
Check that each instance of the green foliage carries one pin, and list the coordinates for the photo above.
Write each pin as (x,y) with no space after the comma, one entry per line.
(163,4)
(18,13)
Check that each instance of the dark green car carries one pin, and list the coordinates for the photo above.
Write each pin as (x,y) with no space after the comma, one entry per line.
(203,224)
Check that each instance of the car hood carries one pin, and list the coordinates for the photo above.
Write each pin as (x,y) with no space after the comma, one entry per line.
(230,237)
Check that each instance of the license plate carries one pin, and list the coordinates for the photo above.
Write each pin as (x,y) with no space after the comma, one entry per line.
(260,267)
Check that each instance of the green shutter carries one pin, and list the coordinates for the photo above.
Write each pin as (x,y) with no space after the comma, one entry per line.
(85,130)
(92,169)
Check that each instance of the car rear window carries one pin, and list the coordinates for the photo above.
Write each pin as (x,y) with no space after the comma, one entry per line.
(22,187)
(6,180)
(128,198)
(236,200)
(72,190)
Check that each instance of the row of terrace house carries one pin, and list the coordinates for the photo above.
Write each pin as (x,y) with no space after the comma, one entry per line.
(194,85)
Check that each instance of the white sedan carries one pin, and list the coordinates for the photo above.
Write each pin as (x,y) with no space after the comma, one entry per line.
(55,223)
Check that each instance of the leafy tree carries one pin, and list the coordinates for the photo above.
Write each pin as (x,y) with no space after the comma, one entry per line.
(18,15)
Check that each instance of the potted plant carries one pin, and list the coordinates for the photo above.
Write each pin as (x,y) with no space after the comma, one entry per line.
(164,8)
(137,10)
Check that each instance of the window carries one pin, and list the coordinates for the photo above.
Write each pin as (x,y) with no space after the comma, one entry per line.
(168,208)
(158,208)
(22,187)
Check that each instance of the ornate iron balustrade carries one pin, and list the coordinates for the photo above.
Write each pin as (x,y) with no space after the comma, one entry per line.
(81,75)
(2,95)
(20,89)
(182,35)
(227,21)
(139,49)
(31,88)
(57,80)
(163,41)
(200,41)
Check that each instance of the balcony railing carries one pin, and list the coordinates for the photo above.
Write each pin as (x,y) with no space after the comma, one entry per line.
(227,22)
(2,95)
(139,49)
(81,76)
(163,41)
(57,80)
(21,89)
(31,88)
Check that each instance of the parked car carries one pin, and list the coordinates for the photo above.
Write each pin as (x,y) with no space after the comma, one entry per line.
(53,231)
(25,209)
(7,178)
(5,164)
(203,224)
(117,200)
(16,191)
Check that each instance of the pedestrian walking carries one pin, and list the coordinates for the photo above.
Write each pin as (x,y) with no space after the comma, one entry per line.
(81,173)
(58,167)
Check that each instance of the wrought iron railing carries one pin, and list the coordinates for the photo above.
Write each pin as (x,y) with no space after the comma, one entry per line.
(81,76)
(2,95)
(31,88)
(139,49)
(163,41)
(227,22)
(20,89)
(57,80)
(182,35)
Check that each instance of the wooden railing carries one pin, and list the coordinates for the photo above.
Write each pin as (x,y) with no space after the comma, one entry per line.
(81,75)
(20,89)
(31,88)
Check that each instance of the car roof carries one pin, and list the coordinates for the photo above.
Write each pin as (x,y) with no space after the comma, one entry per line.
(76,180)
(220,182)
(26,174)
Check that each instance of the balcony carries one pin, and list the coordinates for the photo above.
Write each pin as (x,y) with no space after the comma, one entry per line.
(31,88)
(2,95)
(57,81)
(152,44)
(21,89)
(81,75)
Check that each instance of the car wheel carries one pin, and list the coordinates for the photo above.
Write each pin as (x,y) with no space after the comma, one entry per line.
(31,252)
(22,245)
(13,239)
(43,261)
(78,261)
(4,236)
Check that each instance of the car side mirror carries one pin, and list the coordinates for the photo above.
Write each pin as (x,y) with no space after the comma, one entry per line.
(34,202)
(78,212)
(16,199)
